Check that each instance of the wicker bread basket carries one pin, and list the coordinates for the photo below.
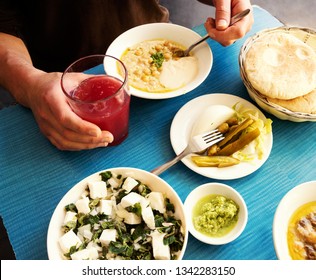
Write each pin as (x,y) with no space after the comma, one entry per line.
(308,36)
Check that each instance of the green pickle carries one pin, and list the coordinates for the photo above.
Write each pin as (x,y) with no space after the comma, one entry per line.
(215,215)
(214,161)
(240,143)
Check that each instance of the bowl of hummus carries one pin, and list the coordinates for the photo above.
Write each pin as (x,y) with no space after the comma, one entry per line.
(294,224)
(154,70)
(216,213)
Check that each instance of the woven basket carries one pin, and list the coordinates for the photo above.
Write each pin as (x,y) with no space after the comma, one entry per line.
(308,36)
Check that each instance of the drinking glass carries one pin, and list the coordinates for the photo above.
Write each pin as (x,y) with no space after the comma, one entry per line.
(97,90)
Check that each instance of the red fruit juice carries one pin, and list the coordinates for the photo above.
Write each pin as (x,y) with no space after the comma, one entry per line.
(105,103)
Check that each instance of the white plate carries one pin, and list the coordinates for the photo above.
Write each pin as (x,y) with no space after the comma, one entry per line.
(169,31)
(181,129)
(154,182)
(296,197)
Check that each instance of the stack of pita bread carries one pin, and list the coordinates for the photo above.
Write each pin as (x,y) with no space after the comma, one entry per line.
(283,69)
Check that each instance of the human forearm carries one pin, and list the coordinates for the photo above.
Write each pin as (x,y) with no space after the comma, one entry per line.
(17,73)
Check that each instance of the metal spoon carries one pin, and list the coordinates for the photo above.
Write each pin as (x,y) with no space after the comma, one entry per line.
(234,19)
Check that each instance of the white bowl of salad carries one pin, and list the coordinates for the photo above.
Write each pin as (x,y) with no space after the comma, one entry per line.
(118,214)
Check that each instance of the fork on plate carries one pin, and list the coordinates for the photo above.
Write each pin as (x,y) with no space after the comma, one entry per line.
(198,144)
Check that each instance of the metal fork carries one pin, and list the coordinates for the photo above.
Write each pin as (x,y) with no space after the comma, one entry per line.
(198,144)
(234,19)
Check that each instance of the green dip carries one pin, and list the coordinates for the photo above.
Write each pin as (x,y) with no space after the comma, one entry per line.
(215,215)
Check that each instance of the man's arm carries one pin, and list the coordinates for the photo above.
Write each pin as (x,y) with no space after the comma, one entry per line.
(16,71)
(41,92)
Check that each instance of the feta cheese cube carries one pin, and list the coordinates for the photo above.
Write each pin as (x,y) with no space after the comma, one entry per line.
(132,219)
(157,201)
(160,250)
(148,217)
(107,236)
(114,183)
(128,217)
(70,217)
(83,205)
(97,189)
(129,184)
(106,207)
(68,240)
(132,198)
(84,228)
(85,254)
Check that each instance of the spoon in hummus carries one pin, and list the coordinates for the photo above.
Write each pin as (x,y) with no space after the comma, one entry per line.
(234,19)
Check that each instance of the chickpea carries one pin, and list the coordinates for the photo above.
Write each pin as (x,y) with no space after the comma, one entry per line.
(147,71)
(167,56)
(223,128)
(138,52)
(145,78)
(137,72)
(158,47)
(153,68)
(167,44)
(232,121)
(156,73)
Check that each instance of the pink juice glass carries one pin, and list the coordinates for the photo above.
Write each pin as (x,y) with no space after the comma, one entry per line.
(96,89)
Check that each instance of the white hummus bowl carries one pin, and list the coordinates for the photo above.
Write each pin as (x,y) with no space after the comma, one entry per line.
(169,31)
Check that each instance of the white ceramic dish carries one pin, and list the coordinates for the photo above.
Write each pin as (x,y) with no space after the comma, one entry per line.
(293,199)
(154,182)
(219,189)
(308,36)
(182,35)
(181,130)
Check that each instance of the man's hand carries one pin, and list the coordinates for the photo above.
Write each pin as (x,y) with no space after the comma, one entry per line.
(219,29)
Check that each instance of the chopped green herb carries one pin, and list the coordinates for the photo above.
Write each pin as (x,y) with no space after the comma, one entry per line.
(136,208)
(158,59)
(169,206)
(106,175)
(71,207)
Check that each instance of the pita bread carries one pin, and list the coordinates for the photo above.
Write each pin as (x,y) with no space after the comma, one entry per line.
(279,65)
(303,104)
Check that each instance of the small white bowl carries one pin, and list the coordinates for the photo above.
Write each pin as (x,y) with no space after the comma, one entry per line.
(154,182)
(169,31)
(217,189)
(293,199)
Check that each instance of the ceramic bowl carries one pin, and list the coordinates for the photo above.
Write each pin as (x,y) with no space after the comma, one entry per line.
(173,32)
(308,36)
(292,200)
(154,182)
(216,189)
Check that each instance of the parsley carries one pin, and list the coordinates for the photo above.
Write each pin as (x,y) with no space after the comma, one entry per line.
(106,175)
(158,59)
(136,208)
(71,207)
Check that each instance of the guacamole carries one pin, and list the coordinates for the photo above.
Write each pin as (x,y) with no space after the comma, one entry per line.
(215,215)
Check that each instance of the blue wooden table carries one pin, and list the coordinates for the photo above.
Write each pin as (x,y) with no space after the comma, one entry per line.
(34,175)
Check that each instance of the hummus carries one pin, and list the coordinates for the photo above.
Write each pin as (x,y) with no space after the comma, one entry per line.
(152,67)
